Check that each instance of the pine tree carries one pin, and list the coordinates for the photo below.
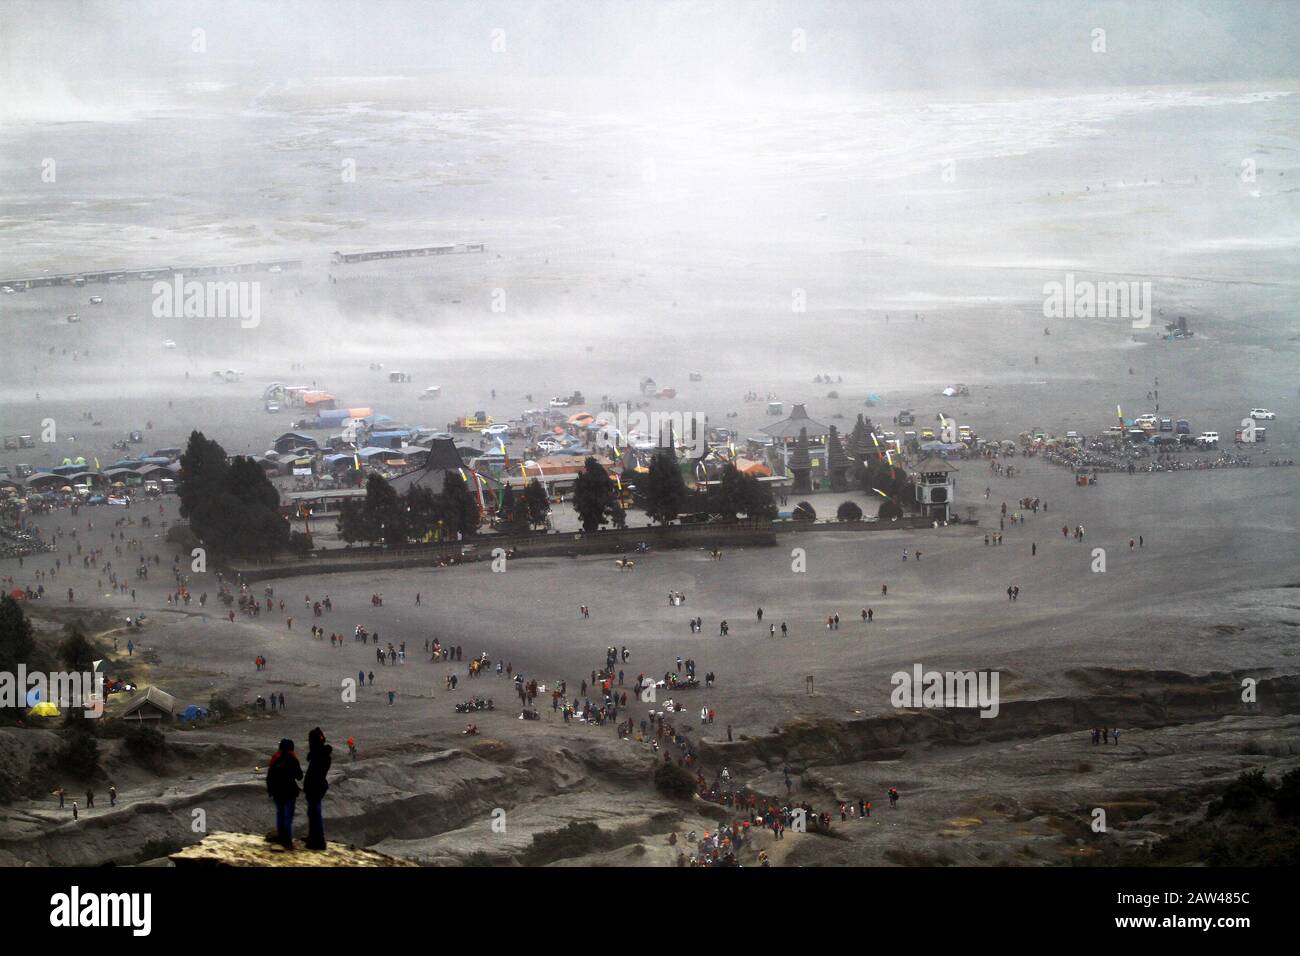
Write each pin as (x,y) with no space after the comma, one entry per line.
(459,507)
(537,504)
(665,489)
(232,507)
(592,495)
(16,639)
(386,511)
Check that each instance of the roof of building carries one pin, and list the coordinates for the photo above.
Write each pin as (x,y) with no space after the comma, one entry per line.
(442,458)
(932,465)
(152,695)
(789,428)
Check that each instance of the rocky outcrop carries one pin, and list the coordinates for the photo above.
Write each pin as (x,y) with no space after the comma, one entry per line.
(246,849)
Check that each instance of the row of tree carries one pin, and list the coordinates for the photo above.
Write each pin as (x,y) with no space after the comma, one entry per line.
(421,514)
(233,508)
(418,515)
(663,495)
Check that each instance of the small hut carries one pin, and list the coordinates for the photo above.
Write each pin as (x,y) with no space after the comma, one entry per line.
(152,705)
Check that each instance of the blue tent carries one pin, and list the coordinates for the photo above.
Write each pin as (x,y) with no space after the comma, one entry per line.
(194,712)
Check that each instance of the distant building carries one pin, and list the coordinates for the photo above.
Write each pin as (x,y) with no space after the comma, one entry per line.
(345,258)
(443,457)
(785,435)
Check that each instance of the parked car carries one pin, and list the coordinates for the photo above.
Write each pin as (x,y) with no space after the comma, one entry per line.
(1208,439)
(1262,415)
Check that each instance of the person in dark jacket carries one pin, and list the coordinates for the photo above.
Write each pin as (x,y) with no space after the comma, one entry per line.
(282,778)
(314,787)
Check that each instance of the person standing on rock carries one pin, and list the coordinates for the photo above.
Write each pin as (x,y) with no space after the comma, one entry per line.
(315,785)
(282,776)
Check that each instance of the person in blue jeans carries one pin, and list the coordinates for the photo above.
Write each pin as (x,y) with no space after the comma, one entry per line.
(282,776)
(315,785)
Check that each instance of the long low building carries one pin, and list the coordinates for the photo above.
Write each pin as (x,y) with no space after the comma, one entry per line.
(343,258)
(148,275)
